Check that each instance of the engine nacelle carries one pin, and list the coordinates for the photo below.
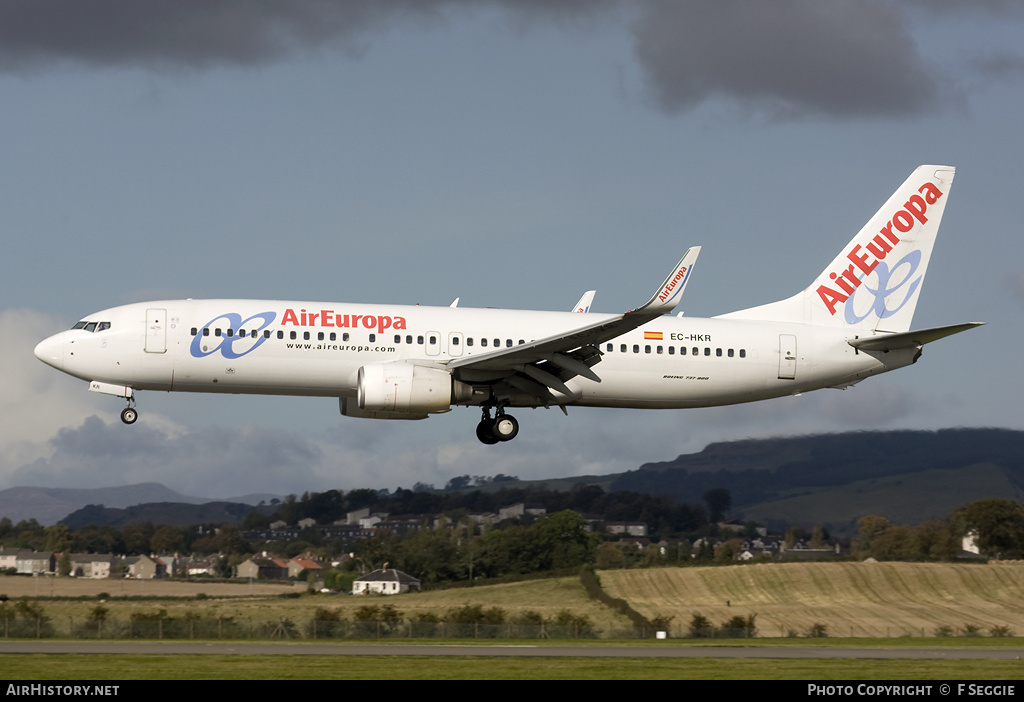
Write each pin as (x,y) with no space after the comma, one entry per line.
(350,408)
(404,387)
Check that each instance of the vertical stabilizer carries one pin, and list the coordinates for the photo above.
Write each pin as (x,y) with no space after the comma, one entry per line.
(875,280)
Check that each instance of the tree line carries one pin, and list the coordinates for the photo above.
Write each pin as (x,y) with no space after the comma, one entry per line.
(996,526)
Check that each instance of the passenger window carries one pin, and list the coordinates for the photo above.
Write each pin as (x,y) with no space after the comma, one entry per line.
(266,333)
(293,335)
(206,331)
(231,332)
(344,337)
(609,347)
(695,351)
(671,350)
(483,342)
(743,353)
(408,339)
(455,341)
(398,338)
(647,348)
(216,332)
(730,353)
(305,336)
(373,338)
(660,350)
(433,340)
(718,352)
(508,343)
(280,334)
(419,339)
(334,336)
(707,350)
(320,336)
(622,348)
(636,348)
(195,331)
(469,341)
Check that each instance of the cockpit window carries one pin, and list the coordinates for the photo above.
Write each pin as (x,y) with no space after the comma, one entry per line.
(92,326)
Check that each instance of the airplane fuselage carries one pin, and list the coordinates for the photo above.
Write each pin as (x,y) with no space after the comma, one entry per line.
(317,349)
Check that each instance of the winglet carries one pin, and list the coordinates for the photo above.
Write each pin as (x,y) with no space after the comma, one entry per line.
(585,302)
(671,291)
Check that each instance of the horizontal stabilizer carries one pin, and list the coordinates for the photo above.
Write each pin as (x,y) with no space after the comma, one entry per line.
(909,339)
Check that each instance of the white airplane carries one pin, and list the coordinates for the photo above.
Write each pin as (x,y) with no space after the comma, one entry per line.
(407,362)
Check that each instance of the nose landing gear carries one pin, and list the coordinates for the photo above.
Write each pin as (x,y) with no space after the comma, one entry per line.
(503,427)
(129,414)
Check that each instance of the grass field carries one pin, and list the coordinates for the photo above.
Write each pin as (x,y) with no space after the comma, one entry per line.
(887,599)
(25,586)
(851,599)
(299,667)
(547,597)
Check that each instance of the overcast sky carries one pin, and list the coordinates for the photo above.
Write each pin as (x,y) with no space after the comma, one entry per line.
(513,154)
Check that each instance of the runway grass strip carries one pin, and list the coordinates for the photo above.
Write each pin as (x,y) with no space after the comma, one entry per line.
(56,667)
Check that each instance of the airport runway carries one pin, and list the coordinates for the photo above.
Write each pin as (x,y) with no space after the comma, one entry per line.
(666,650)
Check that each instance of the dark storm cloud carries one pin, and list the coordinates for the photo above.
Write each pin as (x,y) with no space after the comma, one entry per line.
(839,58)
(832,58)
(205,33)
(191,33)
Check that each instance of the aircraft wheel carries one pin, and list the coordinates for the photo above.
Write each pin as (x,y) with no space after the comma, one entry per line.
(506,427)
(485,432)
(129,415)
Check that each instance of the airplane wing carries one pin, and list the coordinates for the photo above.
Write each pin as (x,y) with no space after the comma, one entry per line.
(909,339)
(585,302)
(546,364)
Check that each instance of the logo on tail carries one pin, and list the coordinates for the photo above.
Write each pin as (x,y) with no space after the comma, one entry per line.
(868,259)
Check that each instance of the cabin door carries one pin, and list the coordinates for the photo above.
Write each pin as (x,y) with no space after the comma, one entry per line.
(787,357)
(156,330)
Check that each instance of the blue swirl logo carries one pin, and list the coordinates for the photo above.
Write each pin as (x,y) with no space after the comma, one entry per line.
(883,291)
(226,345)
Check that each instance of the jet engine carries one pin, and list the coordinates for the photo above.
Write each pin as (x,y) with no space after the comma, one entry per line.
(404,387)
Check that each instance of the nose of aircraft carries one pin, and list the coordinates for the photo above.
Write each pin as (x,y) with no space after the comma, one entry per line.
(51,351)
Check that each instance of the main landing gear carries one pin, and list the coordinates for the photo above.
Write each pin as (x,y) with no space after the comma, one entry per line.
(504,427)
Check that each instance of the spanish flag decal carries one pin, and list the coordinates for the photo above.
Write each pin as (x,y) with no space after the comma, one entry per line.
(653,336)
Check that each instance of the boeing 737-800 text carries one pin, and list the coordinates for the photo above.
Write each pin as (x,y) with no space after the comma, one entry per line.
(407,362)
